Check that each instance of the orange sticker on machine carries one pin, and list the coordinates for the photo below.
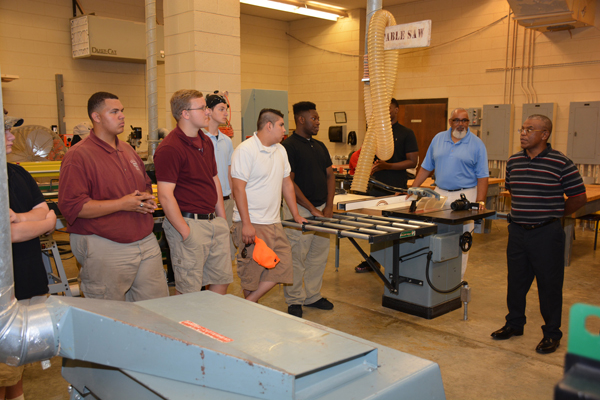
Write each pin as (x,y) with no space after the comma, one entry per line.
(206,331)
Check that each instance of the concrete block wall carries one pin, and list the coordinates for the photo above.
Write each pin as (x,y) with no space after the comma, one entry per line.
(35,44)
(202,47)
(264,54)
(456,68)
(327,70)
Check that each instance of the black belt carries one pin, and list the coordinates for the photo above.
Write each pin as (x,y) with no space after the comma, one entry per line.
(198,216)
(226,197)
(456,190)
(529,227)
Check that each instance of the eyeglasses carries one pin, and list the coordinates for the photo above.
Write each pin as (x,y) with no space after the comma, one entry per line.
(460,121)
(245,251)
(527,131)
(200,108)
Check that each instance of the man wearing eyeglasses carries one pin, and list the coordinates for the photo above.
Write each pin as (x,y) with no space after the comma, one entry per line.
(538,178)
(459,159)
(106,197)
(190,193)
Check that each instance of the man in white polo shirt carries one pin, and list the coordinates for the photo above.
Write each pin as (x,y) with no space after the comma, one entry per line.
(260,172)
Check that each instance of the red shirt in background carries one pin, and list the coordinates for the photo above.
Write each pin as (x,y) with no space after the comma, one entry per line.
(354,161)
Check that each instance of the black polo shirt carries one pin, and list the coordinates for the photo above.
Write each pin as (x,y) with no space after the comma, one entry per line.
(405,141)
(309,160)
(28,266)
(537,186)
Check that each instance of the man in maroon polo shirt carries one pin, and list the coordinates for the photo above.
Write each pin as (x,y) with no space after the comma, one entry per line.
(190,195)
(105,196)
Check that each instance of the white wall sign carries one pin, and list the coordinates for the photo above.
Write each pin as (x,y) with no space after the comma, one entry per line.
(406,36)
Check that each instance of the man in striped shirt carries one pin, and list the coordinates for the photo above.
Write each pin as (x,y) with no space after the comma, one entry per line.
(538,178)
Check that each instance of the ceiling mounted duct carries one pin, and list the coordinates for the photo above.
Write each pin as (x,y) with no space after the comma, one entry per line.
(110,39)
(553,15)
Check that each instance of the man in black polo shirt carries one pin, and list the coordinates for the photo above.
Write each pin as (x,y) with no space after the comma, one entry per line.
(393,171)
(406,154)
(538,178)
(314,184)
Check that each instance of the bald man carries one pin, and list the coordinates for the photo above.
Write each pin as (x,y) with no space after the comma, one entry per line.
(459,159)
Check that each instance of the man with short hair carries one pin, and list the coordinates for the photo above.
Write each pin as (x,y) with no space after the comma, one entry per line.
(538,178)
(190,193)
(393,171)
(217,103)
(459,159)
(105,196)
(406,153)
(260,172)
(314,186)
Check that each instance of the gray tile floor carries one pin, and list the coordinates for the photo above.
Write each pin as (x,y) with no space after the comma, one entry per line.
(473,365)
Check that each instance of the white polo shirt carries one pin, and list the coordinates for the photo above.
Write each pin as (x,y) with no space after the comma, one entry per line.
(263,169)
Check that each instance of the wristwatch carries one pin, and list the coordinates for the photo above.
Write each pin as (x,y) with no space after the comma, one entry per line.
(481,203)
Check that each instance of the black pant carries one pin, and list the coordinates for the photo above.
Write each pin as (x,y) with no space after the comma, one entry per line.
(536,253)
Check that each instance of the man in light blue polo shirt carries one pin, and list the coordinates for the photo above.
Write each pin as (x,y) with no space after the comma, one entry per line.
(459,159)
(223,152)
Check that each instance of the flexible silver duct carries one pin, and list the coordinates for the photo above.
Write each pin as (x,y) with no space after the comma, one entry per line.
(151,78)
(26,332)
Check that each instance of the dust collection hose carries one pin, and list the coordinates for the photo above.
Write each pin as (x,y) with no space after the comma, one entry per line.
(382,65)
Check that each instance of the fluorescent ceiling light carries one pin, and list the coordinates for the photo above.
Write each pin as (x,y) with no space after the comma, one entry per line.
(297,7)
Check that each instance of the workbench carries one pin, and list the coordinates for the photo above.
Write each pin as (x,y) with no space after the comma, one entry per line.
(591,206)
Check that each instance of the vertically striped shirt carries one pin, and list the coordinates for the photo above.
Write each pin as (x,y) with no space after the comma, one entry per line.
(537,186)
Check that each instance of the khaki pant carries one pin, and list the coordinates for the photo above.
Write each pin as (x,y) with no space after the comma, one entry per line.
(250,273)
(9,376)
(120,271)
(229,214)
(309,256)
(203,258)
(471,195)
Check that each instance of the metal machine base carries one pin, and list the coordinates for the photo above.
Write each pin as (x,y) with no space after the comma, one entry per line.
(207,346)
(421,311)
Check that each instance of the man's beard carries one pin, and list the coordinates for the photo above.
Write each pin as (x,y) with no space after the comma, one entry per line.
(459,135)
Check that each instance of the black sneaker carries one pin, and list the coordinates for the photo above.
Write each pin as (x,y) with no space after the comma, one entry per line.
(295,310)
(321,304)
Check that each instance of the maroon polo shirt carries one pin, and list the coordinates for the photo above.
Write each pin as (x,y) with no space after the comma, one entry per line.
(190,164)
(93,170)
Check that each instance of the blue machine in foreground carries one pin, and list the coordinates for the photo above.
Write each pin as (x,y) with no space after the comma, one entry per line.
(207,346)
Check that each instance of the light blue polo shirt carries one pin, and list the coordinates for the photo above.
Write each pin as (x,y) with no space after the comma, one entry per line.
(457,165)
(223,152)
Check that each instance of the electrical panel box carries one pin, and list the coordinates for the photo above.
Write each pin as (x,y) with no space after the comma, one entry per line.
(474,116)
(496,130)
(444,246)
(254,100)
(583,142)
(546,109)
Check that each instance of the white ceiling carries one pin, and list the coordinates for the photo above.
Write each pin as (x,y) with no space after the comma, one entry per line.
(285,16)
